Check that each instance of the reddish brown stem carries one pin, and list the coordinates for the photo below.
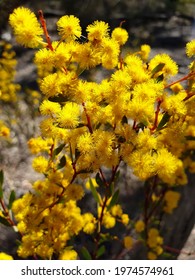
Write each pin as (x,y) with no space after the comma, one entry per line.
(43,23)
(88,119)
(174,250)
(156,115)
(181,80)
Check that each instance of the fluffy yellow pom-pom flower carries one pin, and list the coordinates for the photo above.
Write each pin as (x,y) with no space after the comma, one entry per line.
(4,256)
(26,27)
(69,27)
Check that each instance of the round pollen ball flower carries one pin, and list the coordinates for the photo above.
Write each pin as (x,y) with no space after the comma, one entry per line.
(49,108)
(26,27)
(128,242)
(4,256)
(69,27)
(69,115)
(139,226)
(125,219)
(152,255)
(190,48)
(145,51)
(68,255)
(40,164)
(170,67)
(120,35)
(97,31)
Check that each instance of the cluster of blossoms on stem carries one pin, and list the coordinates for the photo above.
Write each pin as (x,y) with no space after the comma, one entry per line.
(8,88)
(132,115)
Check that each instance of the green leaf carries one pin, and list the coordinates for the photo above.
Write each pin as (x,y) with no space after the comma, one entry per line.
(4,222)
(58,150)
(160,78)
(1,183)
(99,180)
(12,197)
(101,251)
(59,98)
(94,192)
(86,253)
(62,162)
(113,200)
(158,68)
(192,138)
(163,121)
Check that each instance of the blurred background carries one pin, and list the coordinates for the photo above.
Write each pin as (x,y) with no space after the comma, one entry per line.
(167,21)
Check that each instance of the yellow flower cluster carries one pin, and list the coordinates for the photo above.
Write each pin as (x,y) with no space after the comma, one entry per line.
(154,243)
(26,27)
(171,201)
(133,115)
(46,228)
(8,88)
(115,214)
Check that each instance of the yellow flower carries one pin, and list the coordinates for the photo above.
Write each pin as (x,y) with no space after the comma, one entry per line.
(170,68)
(89,223)
(26,27)
(146,141)
(85,143)
(4,256)
(49,108)
(68,255)
(4,131)
(44,58)
(158,250)
(108,220)
(152,255)
(190,48)
(69,115)
(128,242)
(87,56)
(69,27)
(120,35)
(40,164)
(50,85)
(63,53)
(175,105)
(36,145)
(166,166)
(74,192)
(125,219)
(139,226)
(116,210)
(110,48)
(143,164)
(97,31)
(145,51)
(154,239)
(171,201)
(120,80)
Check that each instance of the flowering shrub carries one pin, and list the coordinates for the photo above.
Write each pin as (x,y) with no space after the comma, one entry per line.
(133,115)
